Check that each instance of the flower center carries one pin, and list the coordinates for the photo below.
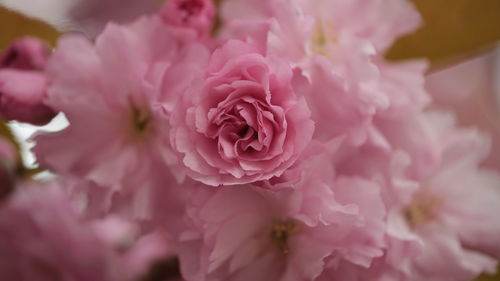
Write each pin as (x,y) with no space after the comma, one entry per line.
(141,119)
(320,38)
(422,209)
(280,232)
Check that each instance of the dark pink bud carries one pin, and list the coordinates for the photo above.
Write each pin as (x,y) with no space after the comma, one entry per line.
(195,14)
(26,54)
(22,94)
(23,85)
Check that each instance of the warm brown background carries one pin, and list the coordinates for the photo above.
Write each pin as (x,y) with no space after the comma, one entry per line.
(453,30)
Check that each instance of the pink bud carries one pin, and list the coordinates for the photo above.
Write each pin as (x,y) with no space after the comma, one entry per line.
(22,83)
(21,96)
(27,53)
(195,14)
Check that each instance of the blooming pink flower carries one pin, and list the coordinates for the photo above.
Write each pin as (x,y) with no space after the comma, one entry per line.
(22,84)
(110,94)
(42,238)
(198,15)
(243,122)
(380,22)
(441,224)
(251,233)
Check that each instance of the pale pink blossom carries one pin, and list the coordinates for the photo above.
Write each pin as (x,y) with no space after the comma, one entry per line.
(379,21)
(243,122)
(446,228)
(23,85)
(111,94)
(251,233)
(337,50)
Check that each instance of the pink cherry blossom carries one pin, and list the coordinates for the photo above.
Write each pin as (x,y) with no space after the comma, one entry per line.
(111,95)
(250,233)
(23,86)
(371,20)
(445,229)
(242,122)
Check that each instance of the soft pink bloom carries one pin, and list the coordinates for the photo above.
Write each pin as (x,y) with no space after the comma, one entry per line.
(445,227)
(243,122)
(379,21)
(337,51)
(111,95)
(249,233)
(301,27)
(23,86)
(43,238)
(338,68)
(198,15)
(442,223)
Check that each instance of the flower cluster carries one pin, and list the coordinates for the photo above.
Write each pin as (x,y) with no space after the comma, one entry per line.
(243,140)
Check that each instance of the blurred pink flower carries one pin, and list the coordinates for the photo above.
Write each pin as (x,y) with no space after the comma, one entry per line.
(243,122)
(23,85)
(450,220)
(42,238)
(471,89)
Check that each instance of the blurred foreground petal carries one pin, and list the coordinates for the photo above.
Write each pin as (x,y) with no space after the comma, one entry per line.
(88,16)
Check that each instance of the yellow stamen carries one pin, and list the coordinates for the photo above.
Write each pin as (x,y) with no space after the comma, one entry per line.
(141,119)
(320,38)
(422,209)
(280,233)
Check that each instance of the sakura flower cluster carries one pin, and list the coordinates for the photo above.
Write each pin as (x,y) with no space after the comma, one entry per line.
(243,140)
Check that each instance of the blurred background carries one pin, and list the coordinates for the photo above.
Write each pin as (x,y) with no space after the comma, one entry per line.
(460,38)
